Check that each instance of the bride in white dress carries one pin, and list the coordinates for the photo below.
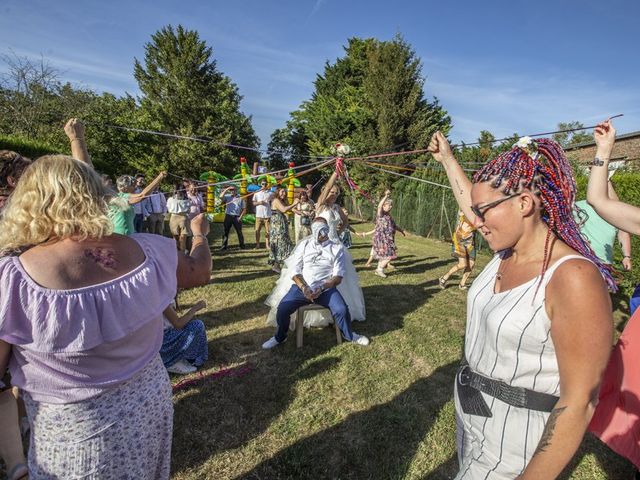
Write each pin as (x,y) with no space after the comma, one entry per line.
(349,288)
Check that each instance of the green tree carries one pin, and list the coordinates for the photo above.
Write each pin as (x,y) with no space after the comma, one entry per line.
(372,99)
(184,93)
(568,139)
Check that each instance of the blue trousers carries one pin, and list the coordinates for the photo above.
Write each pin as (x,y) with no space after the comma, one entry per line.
(331,299)
(138,222)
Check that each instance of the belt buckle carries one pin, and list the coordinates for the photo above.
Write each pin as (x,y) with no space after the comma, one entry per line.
(464,373)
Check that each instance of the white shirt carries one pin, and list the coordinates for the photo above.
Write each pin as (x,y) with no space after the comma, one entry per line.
(317,262)
(263,211)
(177,206)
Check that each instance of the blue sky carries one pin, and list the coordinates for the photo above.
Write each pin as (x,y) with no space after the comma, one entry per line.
(504,66)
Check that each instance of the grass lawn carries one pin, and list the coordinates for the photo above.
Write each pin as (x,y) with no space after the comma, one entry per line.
(335,412)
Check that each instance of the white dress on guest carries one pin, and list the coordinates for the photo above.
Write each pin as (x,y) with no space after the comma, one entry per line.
(349,288)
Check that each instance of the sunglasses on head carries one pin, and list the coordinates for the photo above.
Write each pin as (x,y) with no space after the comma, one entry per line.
(480,211)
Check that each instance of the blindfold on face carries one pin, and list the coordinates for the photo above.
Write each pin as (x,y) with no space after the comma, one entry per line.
(319,229)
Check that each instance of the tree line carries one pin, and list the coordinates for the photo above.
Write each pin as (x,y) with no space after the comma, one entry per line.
(372,98)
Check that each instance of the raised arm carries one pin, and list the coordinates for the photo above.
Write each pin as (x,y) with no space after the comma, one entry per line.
(387,194)
(441,150)
(281,207)
(619,214)
(74,129)
(194,269)
(581,330)
(623,237)
(324,193)
(224,191)
(138,197)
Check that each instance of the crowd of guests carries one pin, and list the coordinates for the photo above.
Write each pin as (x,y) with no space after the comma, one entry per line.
(89,322)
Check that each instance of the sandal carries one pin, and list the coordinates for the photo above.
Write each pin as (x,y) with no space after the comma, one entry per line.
(442,282)
(463,287)
(380,273)
(18,472)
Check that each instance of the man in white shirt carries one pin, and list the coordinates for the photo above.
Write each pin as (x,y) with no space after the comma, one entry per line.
(262,202)
(317,268)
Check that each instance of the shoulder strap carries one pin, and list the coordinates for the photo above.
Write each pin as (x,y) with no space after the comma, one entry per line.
(549,273)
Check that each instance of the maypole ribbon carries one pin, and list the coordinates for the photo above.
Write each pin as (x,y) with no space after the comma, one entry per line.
(201,376)
(342,171)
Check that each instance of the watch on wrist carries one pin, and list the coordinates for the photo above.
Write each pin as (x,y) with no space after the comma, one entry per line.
(596,162)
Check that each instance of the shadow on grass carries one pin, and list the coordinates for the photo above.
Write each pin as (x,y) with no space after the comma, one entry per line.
(223,278)
(378,443)
(387,305)
(227,413)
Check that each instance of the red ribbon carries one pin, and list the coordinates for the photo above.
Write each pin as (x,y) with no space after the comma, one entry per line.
(201,376)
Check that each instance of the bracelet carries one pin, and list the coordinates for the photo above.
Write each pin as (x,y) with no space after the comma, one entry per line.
(77,139)
(200,235)
(626,256)
(596,162)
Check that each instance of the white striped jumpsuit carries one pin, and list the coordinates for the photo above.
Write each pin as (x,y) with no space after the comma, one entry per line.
(508,338)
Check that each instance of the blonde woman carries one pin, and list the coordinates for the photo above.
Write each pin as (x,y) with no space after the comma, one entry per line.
(86,325)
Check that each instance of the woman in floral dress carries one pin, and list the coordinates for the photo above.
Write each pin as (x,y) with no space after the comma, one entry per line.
(384,244)
(280,243)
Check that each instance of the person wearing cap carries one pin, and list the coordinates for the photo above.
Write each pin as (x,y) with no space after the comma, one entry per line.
(235,208)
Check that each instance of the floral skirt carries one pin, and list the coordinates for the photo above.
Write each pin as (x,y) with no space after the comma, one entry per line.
(124,433)
(188,344)
(280,243)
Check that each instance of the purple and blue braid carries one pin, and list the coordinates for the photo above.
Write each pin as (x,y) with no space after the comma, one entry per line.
(544,168)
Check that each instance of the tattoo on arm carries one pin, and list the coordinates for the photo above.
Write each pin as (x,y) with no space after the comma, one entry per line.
(545,440)
(459,187)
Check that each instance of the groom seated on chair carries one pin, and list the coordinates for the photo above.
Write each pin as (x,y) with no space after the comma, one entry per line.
(317,268)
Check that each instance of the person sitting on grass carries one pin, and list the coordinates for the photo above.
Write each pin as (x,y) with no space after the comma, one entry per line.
(317,268)
(184,341)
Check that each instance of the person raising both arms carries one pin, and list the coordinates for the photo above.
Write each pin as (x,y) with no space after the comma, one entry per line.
(535,350)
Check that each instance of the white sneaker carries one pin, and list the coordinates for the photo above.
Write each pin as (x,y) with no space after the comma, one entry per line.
(360,340)
(380,273)
(272,342)
(181,367)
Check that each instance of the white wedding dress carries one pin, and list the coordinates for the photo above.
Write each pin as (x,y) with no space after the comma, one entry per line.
(349,288)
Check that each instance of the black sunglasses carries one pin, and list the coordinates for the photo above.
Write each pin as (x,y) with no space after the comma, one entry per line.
(480,211)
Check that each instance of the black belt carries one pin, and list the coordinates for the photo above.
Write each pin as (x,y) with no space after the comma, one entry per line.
(470,384)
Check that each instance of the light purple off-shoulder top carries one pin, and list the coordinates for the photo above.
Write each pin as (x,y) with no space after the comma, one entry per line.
(71,345)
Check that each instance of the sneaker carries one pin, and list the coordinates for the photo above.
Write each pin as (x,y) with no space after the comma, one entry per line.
(442,282)
(380,273)
(272,342)
(275,269)
(222,248)
(181,367)
(360,340)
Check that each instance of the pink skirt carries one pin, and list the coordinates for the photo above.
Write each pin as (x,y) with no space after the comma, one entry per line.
(617,417)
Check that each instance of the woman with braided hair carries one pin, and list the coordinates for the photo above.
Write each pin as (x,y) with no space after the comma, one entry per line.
(539,323)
